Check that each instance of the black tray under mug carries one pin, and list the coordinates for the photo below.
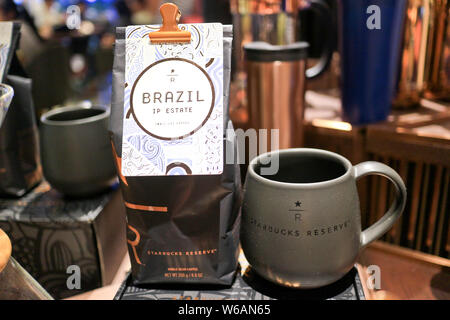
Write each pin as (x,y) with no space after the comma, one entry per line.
(247,286)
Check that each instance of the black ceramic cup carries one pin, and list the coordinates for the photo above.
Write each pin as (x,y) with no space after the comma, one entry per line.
(75,150)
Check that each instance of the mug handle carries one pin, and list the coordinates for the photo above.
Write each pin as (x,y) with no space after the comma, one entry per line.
(323,12)
(385,223)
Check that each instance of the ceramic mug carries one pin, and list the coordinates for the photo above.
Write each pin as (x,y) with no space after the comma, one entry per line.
(301,227)
(76,151)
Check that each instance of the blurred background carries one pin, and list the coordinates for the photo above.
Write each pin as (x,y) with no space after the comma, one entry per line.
(67,45)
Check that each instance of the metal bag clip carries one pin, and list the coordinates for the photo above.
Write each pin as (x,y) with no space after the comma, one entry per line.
(169,31)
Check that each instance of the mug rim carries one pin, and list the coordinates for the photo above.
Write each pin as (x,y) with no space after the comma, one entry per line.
(344,161)
(45,117)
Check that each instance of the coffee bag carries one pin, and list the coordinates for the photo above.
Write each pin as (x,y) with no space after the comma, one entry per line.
(168,128)
(20,165)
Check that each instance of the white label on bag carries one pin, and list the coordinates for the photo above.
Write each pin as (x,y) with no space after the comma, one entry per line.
(173,106)
(172,99)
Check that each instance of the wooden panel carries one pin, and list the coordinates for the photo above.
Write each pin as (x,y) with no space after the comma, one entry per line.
(422,209)
(443,220)
(434,208)
(415,203)
(406,274)
(400,145)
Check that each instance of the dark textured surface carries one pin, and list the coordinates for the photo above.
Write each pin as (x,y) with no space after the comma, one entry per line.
(20,165)
(247,286)
(49,233)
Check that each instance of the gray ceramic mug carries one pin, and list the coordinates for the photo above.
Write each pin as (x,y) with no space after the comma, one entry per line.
(302,226)
(76,151)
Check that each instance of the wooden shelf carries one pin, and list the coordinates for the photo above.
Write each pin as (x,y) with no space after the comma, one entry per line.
(416,143)
(405,274)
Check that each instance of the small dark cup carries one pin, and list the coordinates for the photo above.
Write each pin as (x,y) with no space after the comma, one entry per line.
(75,150)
